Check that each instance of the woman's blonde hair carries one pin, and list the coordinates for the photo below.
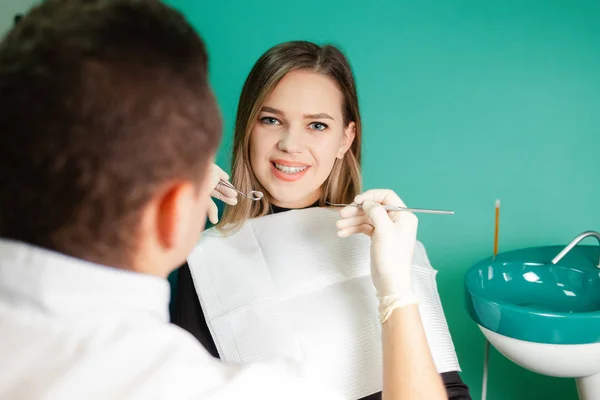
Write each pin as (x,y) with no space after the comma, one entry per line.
(344,181)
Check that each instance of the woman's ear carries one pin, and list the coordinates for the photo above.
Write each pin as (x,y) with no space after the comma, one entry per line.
(347,140)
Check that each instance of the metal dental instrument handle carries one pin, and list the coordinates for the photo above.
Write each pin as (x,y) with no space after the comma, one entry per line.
(396,208)
(254,195)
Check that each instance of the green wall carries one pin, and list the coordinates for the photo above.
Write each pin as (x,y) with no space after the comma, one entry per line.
(463,102)
(8,10)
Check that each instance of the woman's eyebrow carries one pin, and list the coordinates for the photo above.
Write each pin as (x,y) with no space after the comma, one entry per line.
(318,116)
(306,116)
(271,110)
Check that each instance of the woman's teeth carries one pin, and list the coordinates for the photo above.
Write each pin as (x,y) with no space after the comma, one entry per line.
(289,170)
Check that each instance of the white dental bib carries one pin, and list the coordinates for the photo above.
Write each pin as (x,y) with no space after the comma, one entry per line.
(286,285)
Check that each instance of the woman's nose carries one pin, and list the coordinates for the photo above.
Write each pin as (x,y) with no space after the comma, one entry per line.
(291,141)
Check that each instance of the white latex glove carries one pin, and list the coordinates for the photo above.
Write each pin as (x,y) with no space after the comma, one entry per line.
(393,237)
(221,192)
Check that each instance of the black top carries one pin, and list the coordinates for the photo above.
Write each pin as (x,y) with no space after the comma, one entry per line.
(187,313)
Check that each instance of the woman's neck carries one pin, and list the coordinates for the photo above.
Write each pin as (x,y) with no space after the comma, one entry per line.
(277,209)
(303,202)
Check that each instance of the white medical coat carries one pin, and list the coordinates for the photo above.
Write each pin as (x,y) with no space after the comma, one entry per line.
(75,330)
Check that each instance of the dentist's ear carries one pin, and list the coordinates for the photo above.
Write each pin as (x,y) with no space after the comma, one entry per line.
(347,140)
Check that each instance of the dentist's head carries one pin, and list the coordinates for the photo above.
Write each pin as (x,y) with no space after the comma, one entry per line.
(108,127)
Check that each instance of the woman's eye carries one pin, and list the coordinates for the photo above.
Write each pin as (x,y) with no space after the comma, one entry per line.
(318,126)
(270,121)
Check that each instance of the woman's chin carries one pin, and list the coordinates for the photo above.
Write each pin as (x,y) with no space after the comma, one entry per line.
(291,194)
(293,201)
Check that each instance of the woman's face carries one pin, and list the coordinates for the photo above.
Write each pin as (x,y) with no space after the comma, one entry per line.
(297,137)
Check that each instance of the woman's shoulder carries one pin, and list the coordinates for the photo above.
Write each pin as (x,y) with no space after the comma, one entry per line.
(212,231)
(217,248)
(217,237)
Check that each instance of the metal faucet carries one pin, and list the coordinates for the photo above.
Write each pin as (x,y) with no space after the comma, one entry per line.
(574,243)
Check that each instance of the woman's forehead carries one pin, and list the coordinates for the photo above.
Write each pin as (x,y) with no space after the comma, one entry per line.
(304,94)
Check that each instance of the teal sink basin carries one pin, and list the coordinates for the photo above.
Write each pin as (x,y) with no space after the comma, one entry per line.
(522,295)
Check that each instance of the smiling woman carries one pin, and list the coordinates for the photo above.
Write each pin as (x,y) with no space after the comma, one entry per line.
(299,136)
(298,132)
(298,140)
